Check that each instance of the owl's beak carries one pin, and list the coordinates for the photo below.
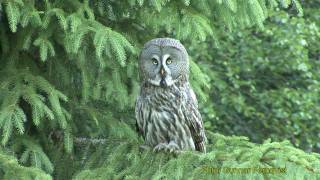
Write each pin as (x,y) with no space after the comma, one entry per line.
(162,72)
(163,82)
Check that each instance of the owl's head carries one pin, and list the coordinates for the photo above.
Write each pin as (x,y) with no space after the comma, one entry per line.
(163,61)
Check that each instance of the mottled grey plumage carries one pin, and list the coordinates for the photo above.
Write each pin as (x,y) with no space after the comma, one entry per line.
(166,108)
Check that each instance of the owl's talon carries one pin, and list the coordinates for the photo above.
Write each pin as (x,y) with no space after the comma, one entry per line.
(172,147)
(144,147)
(159,147)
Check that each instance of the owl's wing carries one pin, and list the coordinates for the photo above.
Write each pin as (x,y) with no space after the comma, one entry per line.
(139,117)
(194,122)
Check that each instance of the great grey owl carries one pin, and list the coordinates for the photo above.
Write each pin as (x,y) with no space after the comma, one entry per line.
(166,109)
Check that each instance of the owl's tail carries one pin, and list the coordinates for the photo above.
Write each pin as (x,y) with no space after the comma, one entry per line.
(200,141)
(200,146)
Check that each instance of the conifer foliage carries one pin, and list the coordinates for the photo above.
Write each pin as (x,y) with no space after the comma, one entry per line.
(68,82)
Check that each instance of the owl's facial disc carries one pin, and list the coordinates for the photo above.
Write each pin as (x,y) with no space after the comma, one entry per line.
(162,76)
(162,65)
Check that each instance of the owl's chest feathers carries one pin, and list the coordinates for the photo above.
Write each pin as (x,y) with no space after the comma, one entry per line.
(163,99)
(164,116)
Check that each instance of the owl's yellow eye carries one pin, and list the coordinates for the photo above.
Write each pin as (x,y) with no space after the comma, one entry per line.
(169,61)
(154,61)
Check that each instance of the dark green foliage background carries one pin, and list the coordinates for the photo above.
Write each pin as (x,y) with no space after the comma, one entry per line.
(68,83)
(266,83)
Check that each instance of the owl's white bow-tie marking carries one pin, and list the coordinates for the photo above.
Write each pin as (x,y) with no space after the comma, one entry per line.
(166,109)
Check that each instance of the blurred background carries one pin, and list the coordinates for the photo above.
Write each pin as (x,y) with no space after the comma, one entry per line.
(265,83)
